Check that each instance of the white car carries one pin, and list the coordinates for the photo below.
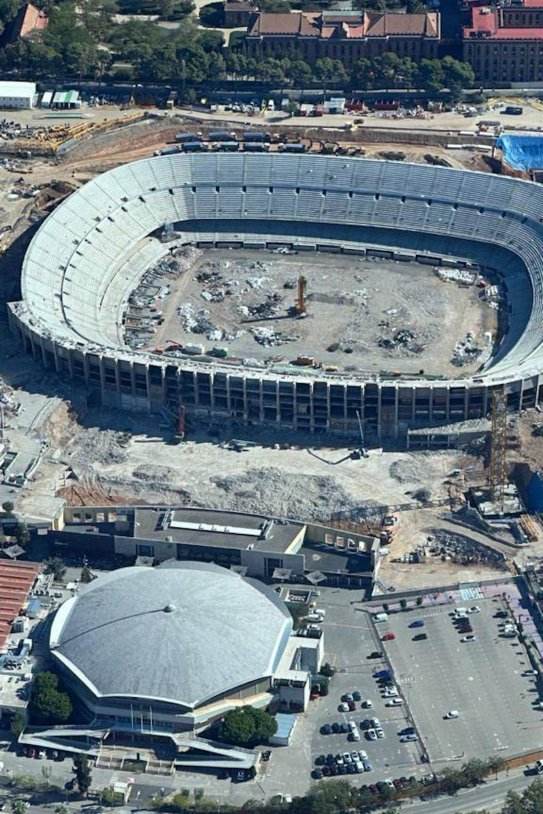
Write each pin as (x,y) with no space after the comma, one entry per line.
(362,754)
(371,734)
(409,738)
(394,702)
(474,609)
(343,707)
(352,726)
(390,692)
(355,735)
(380,733)
(452,713)
(469,638)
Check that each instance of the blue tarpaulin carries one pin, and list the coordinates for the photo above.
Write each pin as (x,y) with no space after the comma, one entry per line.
(522,152)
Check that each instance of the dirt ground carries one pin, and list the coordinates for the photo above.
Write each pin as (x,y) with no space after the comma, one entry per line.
(122,454)
(363,314)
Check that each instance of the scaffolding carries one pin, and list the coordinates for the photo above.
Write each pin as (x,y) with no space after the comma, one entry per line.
(497,473)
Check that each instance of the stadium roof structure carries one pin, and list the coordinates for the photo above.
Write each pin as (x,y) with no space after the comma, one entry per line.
(183,633)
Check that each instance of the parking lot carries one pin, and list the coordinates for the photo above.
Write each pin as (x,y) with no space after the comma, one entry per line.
(485,680)
(350,639)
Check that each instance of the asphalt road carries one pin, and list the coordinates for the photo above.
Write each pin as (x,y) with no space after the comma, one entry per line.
(489,796)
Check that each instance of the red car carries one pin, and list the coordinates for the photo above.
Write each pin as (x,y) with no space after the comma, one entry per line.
(388,637)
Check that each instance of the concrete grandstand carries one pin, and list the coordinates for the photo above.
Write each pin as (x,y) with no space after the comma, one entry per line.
(91,252)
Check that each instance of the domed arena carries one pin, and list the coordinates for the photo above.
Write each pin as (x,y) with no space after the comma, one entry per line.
(176,645)
(92,252)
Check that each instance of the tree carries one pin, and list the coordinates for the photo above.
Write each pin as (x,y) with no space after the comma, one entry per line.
(327,670)
(83,774)
(403,604)
(62,808)
(18,806)
(456,75)
(418,601)
(55,566)
(18,723)
(248,726)
(386,607)
(86,575)
(300,72)
(430,74)
(48,705)
(8,507)
(22,534)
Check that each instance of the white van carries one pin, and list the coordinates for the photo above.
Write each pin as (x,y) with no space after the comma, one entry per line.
(380,617)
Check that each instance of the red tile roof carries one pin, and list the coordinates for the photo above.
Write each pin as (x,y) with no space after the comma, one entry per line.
(16,581)
(484,25)
(326,26)
(34,19)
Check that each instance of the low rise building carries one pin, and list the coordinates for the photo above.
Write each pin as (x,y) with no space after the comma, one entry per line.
(269,548)
(17,95)
(28,22)
(344,35)
(238,13)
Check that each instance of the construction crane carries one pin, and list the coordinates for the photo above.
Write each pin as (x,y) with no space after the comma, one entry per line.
(299,305)
(497,473)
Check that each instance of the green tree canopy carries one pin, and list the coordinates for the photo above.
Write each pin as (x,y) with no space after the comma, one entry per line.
(248,726)
(48,704)
(83,774)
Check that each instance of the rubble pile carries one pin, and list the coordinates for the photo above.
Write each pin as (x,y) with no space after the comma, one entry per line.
(462,276)
(268,337)
(465,351)
(402,339)
(144,312)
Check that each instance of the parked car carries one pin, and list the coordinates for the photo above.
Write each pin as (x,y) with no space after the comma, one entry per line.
(343,707)
(356,696)
(408,738)
(452,713)
(474,609)
(380,732)
(417,623)
(326,729)
(388,637)
(316,774)
(394,702)
(366,704)
(376,654)
(420,637)
(371,734)
(367,765)
(469,638)
(336,727)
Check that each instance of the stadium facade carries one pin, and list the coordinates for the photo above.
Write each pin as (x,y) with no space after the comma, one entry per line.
(92,251)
